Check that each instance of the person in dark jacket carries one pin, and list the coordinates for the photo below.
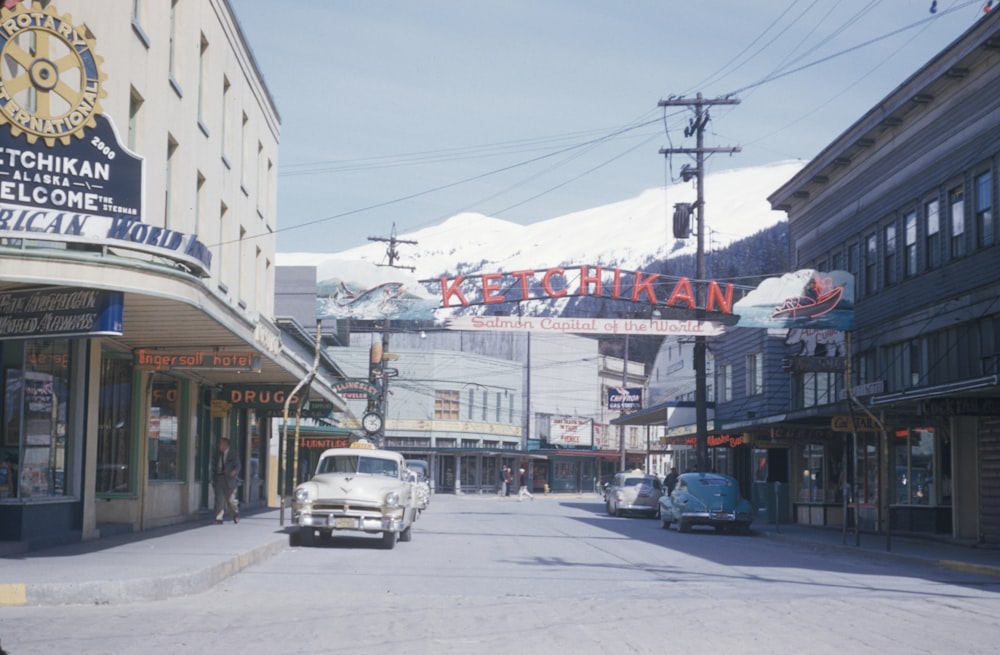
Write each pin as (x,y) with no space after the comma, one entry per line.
(225,469)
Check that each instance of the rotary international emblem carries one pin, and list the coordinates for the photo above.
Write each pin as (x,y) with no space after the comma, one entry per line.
(50,78)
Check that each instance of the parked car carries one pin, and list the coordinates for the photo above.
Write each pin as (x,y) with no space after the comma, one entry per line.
(706,499)
(421,482)
(356,489)
(633,492)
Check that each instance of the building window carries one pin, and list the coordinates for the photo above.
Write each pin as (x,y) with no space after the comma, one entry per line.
(169,181)
(818,389)
(852,260)
(172,54)
(202,79)
(932,222)
(199,198)
(956,204)
(245,153)
(984,209)
(446,405)
(726,382)
(134,123)
(485,400)
(472,403)
(36,414)
(498,407)
(221,248)
(889,263)
(871,264)
(115,473)
(755,374)
(226,138)
(910,245)
(162,434)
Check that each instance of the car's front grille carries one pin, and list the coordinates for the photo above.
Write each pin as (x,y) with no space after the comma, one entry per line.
(344,507)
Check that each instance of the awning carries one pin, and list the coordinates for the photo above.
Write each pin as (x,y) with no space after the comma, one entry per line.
(668,414)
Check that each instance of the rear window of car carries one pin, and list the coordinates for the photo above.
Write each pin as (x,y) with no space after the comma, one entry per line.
(635,482)
(713,482)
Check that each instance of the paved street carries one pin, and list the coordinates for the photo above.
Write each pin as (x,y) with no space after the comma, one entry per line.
(554,575)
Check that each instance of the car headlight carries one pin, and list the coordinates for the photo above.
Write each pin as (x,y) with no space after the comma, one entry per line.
(301,495)
(392,499)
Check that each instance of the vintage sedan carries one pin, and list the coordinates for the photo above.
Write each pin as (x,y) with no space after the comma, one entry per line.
(356,489)
(633,492)
(421,483)
(706,499)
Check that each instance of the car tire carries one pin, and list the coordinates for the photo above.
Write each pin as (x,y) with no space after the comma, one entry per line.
(295,538)
(683,526)
(388,540)
(607,505)
(618,512)
(406,535)
(665,522)
(307,537)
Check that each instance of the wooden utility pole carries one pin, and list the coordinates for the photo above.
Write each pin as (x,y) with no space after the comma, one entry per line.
(376,369)
(696,127)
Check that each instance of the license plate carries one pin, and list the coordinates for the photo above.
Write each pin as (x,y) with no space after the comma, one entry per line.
(722,516)
(343,522)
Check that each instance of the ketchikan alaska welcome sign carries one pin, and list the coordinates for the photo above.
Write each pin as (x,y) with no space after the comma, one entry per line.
(616,301)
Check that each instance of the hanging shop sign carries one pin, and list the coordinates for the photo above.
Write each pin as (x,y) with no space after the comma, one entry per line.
(264,397)
(159,360)
(65,176)
(842,423)
(355,389)
(60,312)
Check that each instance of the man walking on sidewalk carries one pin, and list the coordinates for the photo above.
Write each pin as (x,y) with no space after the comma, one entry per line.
(225,468)
(523,491)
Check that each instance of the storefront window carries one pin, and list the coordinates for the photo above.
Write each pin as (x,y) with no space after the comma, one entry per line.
(914,459)
(811,481)
(36,403)
(866,481)
(114,427)
(162,434)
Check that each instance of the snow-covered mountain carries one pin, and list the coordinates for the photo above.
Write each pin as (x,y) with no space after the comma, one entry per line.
(626,234)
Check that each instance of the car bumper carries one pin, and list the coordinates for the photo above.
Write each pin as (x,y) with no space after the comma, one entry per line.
(635,507)
(390,520)
(716,518)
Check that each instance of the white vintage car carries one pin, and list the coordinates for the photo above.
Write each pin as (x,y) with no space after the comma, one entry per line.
(421,484)
(356,489)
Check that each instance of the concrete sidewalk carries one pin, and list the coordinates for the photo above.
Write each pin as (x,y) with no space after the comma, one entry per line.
(150,565)
(193,557)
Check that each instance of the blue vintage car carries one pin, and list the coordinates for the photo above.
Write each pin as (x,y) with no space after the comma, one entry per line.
(706,499)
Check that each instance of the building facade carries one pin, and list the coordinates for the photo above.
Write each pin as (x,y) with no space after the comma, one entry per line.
(905,200)
(138,152)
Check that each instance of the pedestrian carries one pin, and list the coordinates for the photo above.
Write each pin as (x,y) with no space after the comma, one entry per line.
(502,484)
(671,480)
(225,469)
(508,480)
(523,490)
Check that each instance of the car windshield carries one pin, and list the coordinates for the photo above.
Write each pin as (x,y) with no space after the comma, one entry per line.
(358,464)
(714,482)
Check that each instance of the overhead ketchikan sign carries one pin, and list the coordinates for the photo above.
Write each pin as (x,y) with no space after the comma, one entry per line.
(661,304)
(64,174)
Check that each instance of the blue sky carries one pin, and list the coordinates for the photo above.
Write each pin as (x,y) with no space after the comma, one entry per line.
(406,112)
